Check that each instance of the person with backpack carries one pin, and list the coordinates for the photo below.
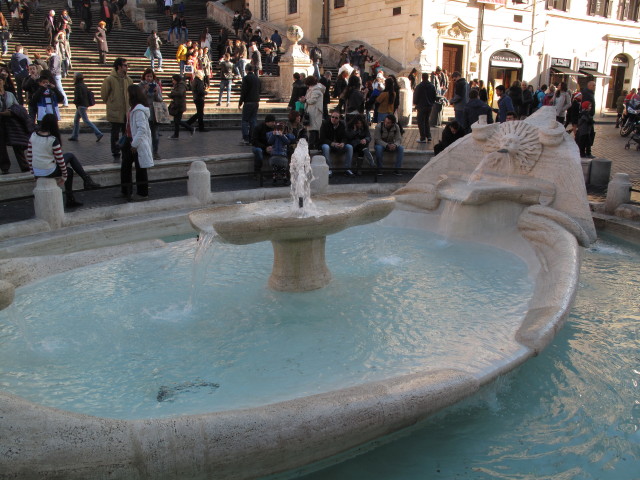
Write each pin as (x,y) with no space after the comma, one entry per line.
(83,98)
(19,65)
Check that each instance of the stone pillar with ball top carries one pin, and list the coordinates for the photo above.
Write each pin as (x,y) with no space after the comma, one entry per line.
(421,63)
(294,60)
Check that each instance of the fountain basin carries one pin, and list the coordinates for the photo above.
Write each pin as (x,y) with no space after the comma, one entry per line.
(298,239)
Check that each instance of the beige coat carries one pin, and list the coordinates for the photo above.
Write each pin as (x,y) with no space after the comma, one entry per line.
(114,95)
(314,107)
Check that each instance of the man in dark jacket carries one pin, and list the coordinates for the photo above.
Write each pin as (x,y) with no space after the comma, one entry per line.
(260,142)
(249,103)
(199,92)
(333,138)
(298,89)
(460,97)
(424,96)
(475,109)
(326,81)
(19,65)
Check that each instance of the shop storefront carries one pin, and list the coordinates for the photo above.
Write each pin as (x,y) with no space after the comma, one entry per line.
(590,72)
(505,66)
(560,71)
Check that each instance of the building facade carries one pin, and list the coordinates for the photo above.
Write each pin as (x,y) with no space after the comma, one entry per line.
(499,41)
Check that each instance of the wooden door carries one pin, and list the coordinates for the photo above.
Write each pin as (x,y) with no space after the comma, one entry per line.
(451,62)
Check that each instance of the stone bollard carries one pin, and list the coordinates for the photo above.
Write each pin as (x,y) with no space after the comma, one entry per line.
(600,172)
(405,107)
(199,185)
(320,170)
(48,202)
(618,192)
(7,294)
(586,169)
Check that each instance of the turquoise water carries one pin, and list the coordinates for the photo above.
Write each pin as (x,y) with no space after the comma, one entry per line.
(571,413)
(150,336)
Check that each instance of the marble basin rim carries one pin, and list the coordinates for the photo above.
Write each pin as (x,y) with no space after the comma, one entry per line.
(46,442)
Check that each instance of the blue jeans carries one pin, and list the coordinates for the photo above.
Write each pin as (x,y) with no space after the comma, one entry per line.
(239,69)
(81,112)
(5,46)
(175,31)
(184,32)
(225,85)
(65,100)
(156,55)
(182,65)
(399,155)
(249,119)
(347,150)
(258,159)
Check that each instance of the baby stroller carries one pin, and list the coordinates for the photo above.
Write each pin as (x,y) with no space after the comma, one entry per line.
(280,167)
(634,137)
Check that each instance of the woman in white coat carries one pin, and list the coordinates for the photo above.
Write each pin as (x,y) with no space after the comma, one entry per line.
(137,149)
(314,105)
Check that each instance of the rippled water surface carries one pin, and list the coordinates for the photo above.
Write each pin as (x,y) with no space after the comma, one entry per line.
(572,413)
(131,338)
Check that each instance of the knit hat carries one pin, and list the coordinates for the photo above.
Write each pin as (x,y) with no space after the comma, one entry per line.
(269,118)
(586,105)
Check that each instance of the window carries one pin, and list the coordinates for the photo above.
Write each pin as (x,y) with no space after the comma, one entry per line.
(629,10)
(517,18)
(558,5)
(264,10)
(600,8)
(338,3)
(397,11)
(293,6)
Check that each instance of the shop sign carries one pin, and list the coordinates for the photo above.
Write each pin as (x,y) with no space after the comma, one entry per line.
(561,62)
(505,58)
(495,2)
(587,65)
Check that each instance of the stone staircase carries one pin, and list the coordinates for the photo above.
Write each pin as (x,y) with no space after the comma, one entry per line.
(130,42)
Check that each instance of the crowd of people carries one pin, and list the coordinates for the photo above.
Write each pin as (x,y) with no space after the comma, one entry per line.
(363,126)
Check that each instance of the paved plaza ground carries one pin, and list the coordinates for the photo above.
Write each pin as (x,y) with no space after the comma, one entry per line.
(608,144)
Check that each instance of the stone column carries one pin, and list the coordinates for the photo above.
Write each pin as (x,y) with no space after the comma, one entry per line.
(199,185)
(48,202)
(295,60)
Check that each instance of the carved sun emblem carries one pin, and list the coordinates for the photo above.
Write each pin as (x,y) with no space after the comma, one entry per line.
(513,148)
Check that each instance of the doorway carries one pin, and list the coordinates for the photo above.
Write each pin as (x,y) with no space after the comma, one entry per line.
(451,62)
(619,71)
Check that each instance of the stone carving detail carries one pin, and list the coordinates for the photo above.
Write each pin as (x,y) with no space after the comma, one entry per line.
(514,147)
(456,29)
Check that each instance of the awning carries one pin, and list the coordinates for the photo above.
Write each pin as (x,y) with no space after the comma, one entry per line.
(567,71)
(594,74)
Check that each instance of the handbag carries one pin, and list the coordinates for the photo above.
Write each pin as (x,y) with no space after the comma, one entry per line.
(173,109)
(91,97)
(161,112)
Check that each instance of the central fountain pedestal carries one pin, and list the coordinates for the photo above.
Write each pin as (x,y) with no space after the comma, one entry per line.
(298,238)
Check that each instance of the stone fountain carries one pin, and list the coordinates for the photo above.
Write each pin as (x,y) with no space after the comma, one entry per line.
(297,228)
(517,185)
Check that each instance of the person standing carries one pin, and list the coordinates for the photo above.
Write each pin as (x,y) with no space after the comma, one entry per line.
(106,15)
(178,106)
(504,104)
(562,102)
(586,131)
(25,14)
(226,78)
(589,95)
(19,65)
(249,103)
(199,92)
(114,94)
(460,97)
(100,37)
(152,88)
(314,106)
(11,133)
(424,96)
(55,67)
(49,26)
(137,149)
(154,42)
(82,103)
